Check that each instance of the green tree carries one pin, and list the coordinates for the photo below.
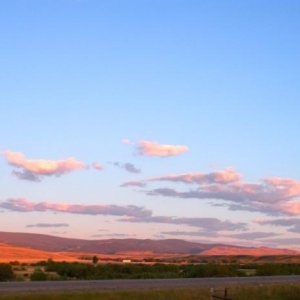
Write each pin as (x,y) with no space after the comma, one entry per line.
(95,260)
(38,275)
(6,272)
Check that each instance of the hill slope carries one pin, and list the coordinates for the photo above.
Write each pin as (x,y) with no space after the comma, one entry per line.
(251,251)
(115,246)
(109,246)
(12,253)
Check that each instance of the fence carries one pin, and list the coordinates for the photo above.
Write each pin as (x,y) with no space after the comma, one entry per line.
(216,294)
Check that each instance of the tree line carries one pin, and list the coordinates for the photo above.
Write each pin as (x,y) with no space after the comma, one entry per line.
(75,270)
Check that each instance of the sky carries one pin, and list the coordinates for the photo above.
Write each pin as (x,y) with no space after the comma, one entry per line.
(151,119)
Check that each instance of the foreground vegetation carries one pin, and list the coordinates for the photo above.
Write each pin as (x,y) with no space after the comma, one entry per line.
(266,292)
(51,270)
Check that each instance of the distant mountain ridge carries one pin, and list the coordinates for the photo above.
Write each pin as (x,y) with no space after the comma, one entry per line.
(114,246)
(107,246)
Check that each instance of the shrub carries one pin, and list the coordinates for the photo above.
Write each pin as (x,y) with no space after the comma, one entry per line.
(38,275)
(6,272)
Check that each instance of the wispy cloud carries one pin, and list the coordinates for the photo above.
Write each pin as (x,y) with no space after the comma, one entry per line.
(284,241)
(134,183)
(149,148)
(24,205)
(113,235)
(208,224)
(35,170)
(152,148)
(253,235)
(129,167)
(97,166)
(221,177)
(126,142)
(47,225)
(293,224)
(198,234)
(26,175)
(241,236)
(129,213)
(218,177)
(273,196)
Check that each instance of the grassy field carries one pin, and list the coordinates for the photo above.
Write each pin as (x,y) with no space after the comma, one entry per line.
(266,292)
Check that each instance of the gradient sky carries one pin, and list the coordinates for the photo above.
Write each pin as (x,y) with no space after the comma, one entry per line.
(151,119)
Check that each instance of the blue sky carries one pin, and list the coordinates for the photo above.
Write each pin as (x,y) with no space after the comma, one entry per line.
(219,77)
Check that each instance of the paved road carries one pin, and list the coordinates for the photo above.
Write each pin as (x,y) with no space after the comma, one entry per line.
(101,285)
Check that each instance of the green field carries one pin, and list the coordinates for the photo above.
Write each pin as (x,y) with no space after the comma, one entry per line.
(266,292)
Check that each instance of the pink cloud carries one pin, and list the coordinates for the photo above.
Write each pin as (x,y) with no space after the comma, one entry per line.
(24,205)
(221,177)
(253,235)
(271,195)
(135,183)
(129,213)
(126,142)
(288,186)
(34,169)
(208,224)
(259,197)
(148,148)
(47,225)
(224,176)
(291,207)
(97,166)
(293,224)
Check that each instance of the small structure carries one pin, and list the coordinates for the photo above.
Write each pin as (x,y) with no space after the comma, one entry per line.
(126,261)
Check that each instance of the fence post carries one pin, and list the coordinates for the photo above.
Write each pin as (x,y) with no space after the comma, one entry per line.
(212,293)
(214,296)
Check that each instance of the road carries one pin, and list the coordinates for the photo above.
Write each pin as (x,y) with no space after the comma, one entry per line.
(134,284)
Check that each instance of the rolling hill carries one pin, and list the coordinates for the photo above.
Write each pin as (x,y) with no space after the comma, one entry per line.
(22,254)
(53,244)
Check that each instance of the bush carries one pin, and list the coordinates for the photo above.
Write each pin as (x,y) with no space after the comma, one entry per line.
(6,272)
(38,275)
(278,269)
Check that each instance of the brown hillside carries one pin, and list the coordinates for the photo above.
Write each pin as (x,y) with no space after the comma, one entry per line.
(261,251)
(57,245)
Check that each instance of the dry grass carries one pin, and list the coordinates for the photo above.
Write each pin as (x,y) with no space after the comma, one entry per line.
(263,292)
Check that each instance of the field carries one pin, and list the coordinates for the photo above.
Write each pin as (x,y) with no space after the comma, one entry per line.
(262,292)
(53,271)
(50,270)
